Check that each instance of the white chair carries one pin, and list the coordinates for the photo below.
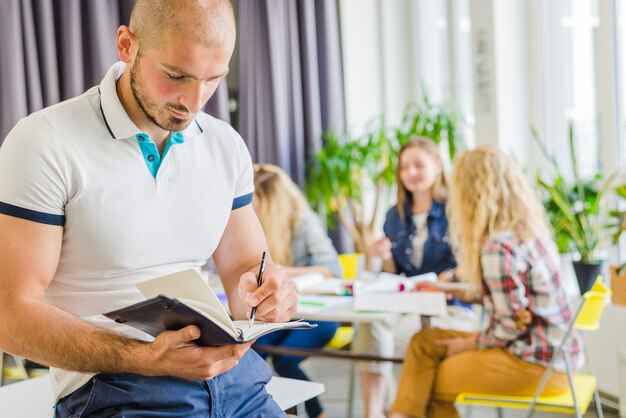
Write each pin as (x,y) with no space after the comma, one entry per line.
(33,398)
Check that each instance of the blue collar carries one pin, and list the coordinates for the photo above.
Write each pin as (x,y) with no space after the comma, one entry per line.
(116,119)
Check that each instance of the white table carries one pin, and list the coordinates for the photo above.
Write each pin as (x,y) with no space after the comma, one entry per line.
(33,398)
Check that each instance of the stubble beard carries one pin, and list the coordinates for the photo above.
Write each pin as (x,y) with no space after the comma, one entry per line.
(144,103)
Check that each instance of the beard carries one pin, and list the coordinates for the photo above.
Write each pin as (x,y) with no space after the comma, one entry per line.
(155,114)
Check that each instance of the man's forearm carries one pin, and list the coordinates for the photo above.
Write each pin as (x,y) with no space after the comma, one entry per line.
(51,336)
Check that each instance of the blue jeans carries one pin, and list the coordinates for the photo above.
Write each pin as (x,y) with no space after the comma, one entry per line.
(289,366)
(239,392)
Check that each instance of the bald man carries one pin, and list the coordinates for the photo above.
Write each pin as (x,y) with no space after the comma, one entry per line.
(127,182)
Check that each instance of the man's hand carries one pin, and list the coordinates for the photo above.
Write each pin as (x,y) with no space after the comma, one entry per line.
(276,300)
(458,345)
(173,353)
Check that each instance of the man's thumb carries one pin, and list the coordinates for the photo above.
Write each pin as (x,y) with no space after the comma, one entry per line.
(187,334)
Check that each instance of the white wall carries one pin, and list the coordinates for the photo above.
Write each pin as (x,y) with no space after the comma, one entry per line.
(362,61)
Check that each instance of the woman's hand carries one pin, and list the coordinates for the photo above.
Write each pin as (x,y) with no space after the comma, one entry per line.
(458,345)
(380,248)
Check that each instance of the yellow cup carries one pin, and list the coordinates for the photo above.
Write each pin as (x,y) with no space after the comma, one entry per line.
(350,264)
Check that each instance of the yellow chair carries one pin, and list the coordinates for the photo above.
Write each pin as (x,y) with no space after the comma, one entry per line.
(582,387)
(342,338)
(15,371)
(350,264)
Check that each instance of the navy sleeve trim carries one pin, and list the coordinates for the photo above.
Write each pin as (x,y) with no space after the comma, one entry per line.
(32,215)
(241,201)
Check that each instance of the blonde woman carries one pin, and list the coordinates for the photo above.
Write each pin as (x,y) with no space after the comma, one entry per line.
(298,242)
(507,255)
(415,242)
(294,234)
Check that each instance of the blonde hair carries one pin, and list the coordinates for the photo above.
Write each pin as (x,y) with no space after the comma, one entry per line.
(439,190)
(281,205)
(490,194)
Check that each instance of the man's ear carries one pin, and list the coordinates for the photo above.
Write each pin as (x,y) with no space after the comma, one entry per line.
(127,44)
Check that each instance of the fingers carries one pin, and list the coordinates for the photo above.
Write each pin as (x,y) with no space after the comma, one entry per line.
(181,337)
(276,299)
(213,361)
(445,342)
(247,287)
(380,248)
(281,304)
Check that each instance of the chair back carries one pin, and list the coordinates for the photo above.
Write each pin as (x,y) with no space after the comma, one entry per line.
(351,264)
(593,304)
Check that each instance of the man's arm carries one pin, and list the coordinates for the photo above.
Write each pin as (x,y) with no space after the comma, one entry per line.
(31,328)
(237,260)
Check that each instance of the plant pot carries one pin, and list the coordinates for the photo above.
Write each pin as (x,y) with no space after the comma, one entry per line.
(586,274)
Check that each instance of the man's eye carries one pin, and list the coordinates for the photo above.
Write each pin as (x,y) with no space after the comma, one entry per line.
(174,77)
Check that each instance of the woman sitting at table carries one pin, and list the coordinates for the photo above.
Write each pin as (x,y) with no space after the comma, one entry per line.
(507,254)
(415,242)
(300,245)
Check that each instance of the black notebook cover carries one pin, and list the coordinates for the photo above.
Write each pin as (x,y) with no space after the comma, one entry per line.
(161,313)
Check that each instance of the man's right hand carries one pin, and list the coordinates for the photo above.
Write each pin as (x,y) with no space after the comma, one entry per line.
(173,353)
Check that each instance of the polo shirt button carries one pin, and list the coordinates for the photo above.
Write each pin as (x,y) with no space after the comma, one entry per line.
(150,157)
(407,251)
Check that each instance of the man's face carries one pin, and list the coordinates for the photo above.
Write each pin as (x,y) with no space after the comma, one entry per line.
(173,82)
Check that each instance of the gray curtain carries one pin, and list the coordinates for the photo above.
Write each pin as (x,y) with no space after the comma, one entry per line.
(290,83)
(51,50)
(290,80)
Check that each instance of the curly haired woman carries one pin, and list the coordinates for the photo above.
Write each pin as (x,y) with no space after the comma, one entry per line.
(506,253)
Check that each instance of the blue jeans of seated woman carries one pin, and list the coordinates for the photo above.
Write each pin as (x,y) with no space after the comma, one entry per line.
(239,392)
(289,366)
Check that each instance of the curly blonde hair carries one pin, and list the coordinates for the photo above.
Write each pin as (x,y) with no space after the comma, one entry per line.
(440,187)
(281,206)
(490,194)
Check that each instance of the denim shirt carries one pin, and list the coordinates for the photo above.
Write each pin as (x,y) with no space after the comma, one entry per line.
(437,252)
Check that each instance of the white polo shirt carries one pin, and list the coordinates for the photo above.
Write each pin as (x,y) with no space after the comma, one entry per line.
(128,214)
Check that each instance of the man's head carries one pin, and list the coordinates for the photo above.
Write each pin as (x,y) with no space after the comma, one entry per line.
(176,52)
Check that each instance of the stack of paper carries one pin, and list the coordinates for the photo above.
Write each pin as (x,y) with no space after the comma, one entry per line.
(392,294)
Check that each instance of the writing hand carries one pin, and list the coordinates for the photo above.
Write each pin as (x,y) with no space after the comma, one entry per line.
(276,299)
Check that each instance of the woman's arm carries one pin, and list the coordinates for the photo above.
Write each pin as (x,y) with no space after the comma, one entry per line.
(507,295)
(320,253)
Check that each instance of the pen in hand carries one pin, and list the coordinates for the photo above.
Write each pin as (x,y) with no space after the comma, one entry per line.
(259,282)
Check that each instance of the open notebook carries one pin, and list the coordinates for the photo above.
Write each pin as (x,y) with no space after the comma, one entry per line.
(183,298)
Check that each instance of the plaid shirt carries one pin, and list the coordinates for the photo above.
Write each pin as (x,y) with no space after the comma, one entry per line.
(525,275)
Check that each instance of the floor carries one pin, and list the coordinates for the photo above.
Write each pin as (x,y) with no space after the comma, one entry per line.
(335,376)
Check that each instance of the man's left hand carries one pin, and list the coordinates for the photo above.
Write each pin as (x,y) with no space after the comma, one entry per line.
(276,299)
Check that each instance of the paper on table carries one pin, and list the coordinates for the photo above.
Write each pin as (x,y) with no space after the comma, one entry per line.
(330,286)
(308,280)
(390,282)
(309,304)
(423,303)
(387,294)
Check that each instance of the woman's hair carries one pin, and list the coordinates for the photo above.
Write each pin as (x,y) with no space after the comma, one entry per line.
(281,206)
(490,194)
(439,190)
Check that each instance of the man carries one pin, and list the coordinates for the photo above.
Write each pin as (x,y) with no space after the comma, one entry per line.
(127,182)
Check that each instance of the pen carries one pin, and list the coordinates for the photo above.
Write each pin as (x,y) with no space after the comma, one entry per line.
(259,282)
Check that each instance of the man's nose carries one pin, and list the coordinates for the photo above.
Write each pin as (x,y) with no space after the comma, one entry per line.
(195,97)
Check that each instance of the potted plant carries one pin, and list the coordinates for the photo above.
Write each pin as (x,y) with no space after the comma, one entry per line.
(577,215)
(348,168)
